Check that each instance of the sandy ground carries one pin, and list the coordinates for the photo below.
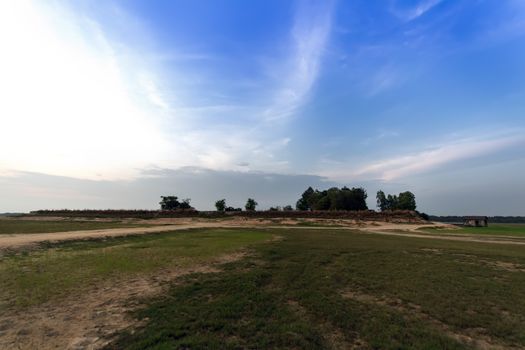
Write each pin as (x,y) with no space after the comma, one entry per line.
(14,241)
(409,230)
(28,239)
(91,320)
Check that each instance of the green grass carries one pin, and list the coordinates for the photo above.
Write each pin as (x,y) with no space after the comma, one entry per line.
(517,230)
(44,226)
(290,296)
(35,277)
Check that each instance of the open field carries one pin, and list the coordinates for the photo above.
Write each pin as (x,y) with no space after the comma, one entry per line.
(264,286)
(62,293)
(492,229)
(338,289)
(38,276)
(14,226)
(137,226)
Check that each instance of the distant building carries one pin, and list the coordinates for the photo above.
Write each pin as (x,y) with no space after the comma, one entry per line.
(476,221)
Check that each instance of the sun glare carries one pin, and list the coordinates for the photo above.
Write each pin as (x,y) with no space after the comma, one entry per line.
(65,106)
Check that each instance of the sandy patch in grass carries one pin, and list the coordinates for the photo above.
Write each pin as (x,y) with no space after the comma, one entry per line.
(17,241)
(503,265)
(333,336)
(92,319)
(473,337)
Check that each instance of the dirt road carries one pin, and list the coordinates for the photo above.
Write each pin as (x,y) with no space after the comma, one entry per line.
(14,241)
(414,231)
(28,239)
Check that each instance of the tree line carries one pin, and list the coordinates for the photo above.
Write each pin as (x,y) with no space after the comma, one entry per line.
(172,203)
(404,201)
(334,198)
(492,219)
(250,205)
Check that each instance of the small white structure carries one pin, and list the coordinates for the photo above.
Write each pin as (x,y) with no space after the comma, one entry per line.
(476,221)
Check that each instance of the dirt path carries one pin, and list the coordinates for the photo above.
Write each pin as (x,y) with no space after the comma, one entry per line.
(415,231)
(28,239)
(14,241)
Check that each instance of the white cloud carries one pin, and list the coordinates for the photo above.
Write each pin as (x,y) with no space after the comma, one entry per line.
(383,79)
(77,103)
(152,91)
(417,11)
(381,135)
(428,159)
(310,33)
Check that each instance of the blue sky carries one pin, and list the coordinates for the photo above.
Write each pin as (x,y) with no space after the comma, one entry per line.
(114,103)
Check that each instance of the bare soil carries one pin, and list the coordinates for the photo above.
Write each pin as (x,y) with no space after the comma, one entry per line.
(91,320)
(15,241)
(474,337)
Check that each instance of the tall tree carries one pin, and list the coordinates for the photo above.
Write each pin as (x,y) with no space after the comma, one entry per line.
(381,200)
(251,204)
(391,202)
(406,201)
(220,204)
(323,203)
(305,202)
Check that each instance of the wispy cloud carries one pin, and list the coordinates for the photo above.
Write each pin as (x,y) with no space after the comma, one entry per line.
(152,92)
(309,37)
(415,12)
(256,134)
(76,104)
(430,158)
(383,79)
(380,136)
(511,24)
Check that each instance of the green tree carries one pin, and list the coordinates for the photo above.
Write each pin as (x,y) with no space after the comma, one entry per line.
(220,204)
(306,200)
(185,204)
(333,199)
(353,199)
(251,204)
(381,200)
(232,209)
(391,202)
(288,208)
(169,203)
(323,203)
(406,201)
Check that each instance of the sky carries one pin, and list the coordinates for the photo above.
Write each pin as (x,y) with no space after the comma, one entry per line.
(111,104)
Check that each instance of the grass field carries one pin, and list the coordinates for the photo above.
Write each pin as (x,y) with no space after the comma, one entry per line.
(493,230)
(44,226)
(311,289)
(332,289)
(35,277)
